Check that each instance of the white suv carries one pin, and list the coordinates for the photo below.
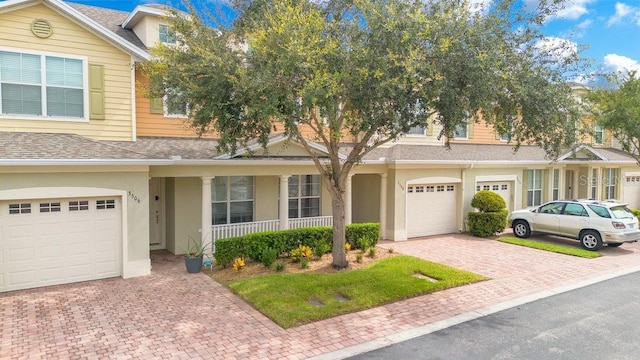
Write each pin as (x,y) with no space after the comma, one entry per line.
(594,223)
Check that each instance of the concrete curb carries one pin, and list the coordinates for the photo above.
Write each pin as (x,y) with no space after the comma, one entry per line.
(464,317)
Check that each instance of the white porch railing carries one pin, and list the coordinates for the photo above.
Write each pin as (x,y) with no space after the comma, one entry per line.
(239,229)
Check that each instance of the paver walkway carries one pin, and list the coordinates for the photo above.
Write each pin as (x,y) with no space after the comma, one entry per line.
(172,314)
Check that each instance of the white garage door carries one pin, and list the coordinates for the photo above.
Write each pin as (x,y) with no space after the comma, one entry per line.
(57,241)
(632,191)
(502,188)
(431,209)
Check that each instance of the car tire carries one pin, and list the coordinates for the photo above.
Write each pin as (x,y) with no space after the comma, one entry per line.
(613,244)
(590,240)
(521,229)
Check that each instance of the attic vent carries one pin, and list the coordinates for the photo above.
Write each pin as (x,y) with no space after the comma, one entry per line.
(41,28)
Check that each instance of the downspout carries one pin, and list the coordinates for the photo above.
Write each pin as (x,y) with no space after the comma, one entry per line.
(463,176)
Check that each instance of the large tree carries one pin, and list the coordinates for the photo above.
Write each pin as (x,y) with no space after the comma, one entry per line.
(616,107)
(367,71)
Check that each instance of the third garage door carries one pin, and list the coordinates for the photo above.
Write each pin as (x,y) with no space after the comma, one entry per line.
(431,209)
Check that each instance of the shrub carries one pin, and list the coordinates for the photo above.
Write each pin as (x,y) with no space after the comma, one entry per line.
(304,263)
(372,251)
(488,201)
(268,257)
(359,258)
(300,253)
(279,266)
(486,224)
(347,247)
(636,212)
(238,264)
(321,248)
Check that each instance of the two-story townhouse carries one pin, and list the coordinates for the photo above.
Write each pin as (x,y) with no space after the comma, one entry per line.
(94,175)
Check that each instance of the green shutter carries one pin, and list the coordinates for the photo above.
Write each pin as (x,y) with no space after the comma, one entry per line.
(96,92)
(157,107)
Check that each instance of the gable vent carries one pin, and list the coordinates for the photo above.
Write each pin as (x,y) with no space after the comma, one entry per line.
(41,28)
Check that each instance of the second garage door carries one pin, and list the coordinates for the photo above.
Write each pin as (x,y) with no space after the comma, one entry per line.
(56,241)
(431,209)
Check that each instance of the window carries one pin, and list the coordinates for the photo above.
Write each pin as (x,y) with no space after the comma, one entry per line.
(552,208)
(419,189)
(495,187)
(19,209)
(232,199)
(534,187)
(430,188)
(451,187)
(166,35)
(504,187)
(410,189)
(40,85)
(49,207)
(79,205)
(105,204)
(610,180)
(175,104)
(600,211)
(575,210)
(462,130)
(417,130)
(598,134)
(304,196)
(556,184)
(594,184)
(486,187)
(440,188)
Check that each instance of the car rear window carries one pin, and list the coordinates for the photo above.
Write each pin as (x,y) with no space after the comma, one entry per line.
(622,212)
(600,211)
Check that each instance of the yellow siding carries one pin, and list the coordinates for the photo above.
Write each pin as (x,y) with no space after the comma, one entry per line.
(69,38)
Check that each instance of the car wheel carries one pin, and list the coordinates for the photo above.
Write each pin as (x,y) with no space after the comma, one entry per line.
(613,244)
(521,229)
(590,240)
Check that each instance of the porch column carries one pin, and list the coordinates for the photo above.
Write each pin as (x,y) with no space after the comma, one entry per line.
(283,205)
(347,201)
(206,222)
(383,205)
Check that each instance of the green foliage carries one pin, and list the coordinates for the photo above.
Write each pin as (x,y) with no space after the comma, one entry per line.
(618,109)
(195,248)
(560,249)
(302,252)
(320,248)
(359,258)
(268,257)
(636,212)
(252,246)
(279,266)
(372,251)
(304,263)
(485,224)
(488,201)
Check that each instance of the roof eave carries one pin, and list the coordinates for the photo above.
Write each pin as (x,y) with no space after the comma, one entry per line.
(139,12)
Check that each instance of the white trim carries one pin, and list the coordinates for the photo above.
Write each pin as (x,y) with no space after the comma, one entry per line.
(434,180)
(80,17)
(580,148)
(139,12)
(134,116)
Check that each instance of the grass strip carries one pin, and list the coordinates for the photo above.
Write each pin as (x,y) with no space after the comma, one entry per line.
(560,249)
(296,299)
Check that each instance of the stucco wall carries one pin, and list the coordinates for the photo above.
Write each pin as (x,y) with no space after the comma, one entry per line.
(366,198)
(187,196)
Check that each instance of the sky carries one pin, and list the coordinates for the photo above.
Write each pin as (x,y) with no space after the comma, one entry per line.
(609,29)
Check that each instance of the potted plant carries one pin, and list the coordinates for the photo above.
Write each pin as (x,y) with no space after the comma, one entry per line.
(193,255)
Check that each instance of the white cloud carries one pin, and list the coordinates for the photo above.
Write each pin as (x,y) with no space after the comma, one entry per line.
(571,10)
(556,48)
(625,13)
(585,24)
(615,62)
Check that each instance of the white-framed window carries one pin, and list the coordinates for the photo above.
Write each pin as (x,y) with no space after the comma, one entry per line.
(486,187)
(166,34)
(175,104)
(451,187)
(24,208)
(420,189)
(417,131)
(461,131)
(43,86)
(80,205)
(598,135)
(534,187)
(610,182)
(232,199)
(105,204)
(439,188)
(594,184)
(556,184)
(430,188)
(50,207)
(304,196)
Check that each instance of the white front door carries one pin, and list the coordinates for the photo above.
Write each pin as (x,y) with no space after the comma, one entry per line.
(58,241)
(431,209)
(156,214)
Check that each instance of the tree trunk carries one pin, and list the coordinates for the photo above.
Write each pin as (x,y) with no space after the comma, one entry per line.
(339,253)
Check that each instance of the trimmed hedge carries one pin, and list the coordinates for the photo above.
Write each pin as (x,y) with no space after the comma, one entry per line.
(485,224)
(252,246)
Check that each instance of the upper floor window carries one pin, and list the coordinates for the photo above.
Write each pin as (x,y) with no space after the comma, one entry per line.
(41,85)
(175,105)
(166,34)
(461,131)
(598,135)
(232,199)
(304,196)
(417,130)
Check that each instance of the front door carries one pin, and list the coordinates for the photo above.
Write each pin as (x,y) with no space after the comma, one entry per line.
(156,213)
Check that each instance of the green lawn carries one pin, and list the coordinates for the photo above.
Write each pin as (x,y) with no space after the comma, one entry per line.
(560,249)
(295,299)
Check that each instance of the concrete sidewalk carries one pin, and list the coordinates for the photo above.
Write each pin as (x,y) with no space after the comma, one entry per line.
(171,314)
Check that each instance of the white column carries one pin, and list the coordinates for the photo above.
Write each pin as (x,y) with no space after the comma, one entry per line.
(206,222)
(283,205)
(347,201)
(383,205)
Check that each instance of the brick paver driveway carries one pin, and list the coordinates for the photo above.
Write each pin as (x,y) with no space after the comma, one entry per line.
(172,314)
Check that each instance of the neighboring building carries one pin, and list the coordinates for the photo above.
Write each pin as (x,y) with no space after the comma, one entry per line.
(93,175)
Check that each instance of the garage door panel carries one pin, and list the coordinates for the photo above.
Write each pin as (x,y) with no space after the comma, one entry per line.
(47,248)
(431,209)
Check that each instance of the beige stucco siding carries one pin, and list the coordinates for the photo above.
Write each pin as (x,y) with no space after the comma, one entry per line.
(366,198)
(187,197)
(133,182)
(69,39)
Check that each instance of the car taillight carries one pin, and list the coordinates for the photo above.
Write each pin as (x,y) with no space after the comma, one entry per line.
(618,225)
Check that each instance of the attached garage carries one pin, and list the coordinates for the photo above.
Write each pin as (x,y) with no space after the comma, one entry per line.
(632,190)
(502,188)
(60,240)
(431,209)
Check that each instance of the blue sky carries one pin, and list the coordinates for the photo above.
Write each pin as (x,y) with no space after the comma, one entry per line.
(610,29)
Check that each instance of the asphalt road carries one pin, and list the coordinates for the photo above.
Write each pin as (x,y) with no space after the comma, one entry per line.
(601,321)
